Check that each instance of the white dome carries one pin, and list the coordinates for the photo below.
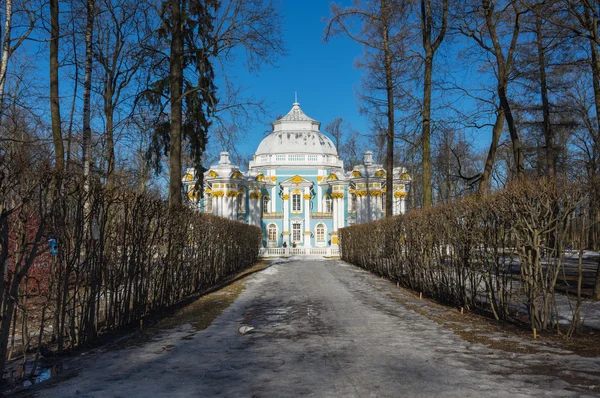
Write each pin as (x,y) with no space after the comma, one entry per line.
(296,133)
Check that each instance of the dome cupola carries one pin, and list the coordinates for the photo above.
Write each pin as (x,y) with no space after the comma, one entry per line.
(296,133)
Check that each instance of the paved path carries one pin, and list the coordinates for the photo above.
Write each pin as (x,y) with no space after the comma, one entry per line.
(323,329)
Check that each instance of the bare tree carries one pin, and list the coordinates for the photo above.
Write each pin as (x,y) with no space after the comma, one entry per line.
(378,26)
(486,26)
(59,151)
(430,46)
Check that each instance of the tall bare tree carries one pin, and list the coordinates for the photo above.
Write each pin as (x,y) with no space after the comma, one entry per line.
(497,33)
(430,46)
(59,151)
(379,27)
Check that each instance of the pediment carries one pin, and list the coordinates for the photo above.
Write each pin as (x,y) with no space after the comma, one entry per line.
(297,181)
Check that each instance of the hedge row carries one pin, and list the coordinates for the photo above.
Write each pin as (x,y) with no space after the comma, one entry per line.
(502,254)
(119,254)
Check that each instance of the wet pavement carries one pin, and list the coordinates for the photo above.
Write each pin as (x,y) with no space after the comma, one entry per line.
(324,329)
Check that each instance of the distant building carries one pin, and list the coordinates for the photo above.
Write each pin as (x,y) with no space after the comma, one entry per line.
(296,189)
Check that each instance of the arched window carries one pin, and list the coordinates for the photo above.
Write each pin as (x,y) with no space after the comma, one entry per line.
(328,204)
(296,202)
(320,233)
(272,233)
(265,203)
(208,203)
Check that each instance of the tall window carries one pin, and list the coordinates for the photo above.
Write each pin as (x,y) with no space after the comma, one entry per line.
(352,203)
(296,232)
(320,230)
(296,202)
(272,233)
(328,204)
(265,202)
(208,203)
(383,202)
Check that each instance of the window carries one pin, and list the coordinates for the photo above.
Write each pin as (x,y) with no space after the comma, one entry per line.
(264,158)
(320,232)
(296,232)
(313,158)
(296,203)
(208,203)
(280,158)
(383,202)
(272,233)
(296,158)
(328,204)
(265,204)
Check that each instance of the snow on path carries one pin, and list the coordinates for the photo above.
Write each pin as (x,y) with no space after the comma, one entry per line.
(322,329)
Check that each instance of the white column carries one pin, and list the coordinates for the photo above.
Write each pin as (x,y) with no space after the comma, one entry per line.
(341,213)
(273,202)
(402,206)
(286,215)
(335,214)
(226,200)
(307,217)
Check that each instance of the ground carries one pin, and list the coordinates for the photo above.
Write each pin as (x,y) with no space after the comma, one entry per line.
(327,329)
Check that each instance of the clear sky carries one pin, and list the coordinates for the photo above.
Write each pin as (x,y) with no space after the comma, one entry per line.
(323,74)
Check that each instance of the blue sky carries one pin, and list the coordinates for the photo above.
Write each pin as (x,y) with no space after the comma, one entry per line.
(322,73)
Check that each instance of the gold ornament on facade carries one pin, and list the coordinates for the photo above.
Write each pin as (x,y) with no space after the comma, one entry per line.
(255,195)
(193,194)
(212,174)
(405,176)
(380,174)
(296,179)
(399,195)
(319,178)
(356,174)
(307,196)
(273,178)
(218,194)
(208,190)
(337,195)
(236,175)
(188,177)
(361,193)
(260,177)
(285,196)
(332,177)
(232,194)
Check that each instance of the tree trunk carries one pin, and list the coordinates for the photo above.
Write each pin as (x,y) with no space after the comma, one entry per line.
(59,151)
(5,53)
(87,89)
(389,86)
(551,160)
(426,138)
(176,76)
(504,67)
(484,183)
(517,147)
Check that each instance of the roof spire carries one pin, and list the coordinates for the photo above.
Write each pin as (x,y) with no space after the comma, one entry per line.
(295,97)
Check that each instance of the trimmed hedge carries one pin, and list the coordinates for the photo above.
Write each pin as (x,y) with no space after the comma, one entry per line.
(501,254)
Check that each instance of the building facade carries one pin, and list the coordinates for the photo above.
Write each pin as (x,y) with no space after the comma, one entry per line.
(296,189)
